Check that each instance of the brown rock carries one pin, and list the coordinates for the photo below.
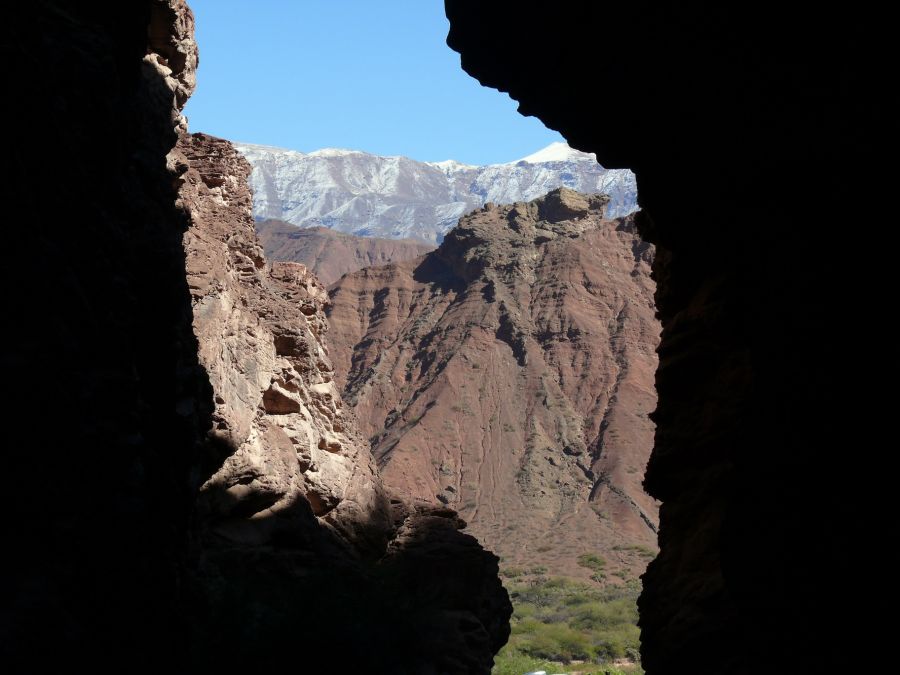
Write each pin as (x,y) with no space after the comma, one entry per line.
(294,525)
(331,254)
(509,374)
(260,331)
(132,534)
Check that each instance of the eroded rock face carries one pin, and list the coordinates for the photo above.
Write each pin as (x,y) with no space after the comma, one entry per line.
(294,532)
(758,431)
(134,538)
(260,329)
(509,375)
(330,254)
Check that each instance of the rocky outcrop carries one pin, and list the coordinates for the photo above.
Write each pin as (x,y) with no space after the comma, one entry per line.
(174,506)
(764,432)
(110,403)
(293,491)
(331,254)
(260,329)
(509,375)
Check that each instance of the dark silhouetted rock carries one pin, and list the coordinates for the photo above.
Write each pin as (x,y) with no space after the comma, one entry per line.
(159,516)
(769,456)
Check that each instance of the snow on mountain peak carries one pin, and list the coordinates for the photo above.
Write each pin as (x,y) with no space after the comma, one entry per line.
(450,165)
(557,152)
(398,197)
(334,152)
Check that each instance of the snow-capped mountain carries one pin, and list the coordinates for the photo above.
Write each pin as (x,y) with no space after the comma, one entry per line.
(398,197)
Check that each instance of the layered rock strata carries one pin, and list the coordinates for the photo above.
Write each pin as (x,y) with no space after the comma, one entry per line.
(330,254)
(509,374)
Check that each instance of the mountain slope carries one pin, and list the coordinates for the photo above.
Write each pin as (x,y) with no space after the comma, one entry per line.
(398,197)
(331,254)
(509,374)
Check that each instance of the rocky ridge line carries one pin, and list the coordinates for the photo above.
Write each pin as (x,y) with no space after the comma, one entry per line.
(331,254)
(398,197)
(509,374)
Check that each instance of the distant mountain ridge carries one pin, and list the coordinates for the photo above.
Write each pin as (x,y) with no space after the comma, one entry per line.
(399,198)
(330,254)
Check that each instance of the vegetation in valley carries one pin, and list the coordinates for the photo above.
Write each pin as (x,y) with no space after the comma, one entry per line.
(563,625)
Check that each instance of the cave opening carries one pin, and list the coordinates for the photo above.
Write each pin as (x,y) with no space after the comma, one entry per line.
(503,367)
(141,275)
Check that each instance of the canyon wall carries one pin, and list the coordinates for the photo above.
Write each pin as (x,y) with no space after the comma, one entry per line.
(765,427)
(293,513)
(185,491)
(509,374)
(110,401)
(260,329)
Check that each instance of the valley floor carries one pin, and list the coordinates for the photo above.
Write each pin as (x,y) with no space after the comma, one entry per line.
(563,625)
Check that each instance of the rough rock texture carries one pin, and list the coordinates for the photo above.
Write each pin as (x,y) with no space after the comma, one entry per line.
(769,454)
(134,540)
(106,402)
(509,374)
(294,492)
(260,329)
(330,254)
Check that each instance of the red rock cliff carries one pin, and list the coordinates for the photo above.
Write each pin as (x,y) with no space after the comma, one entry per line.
(331,254)
(509,374)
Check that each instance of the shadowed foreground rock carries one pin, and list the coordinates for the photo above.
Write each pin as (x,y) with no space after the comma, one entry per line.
(769,456)
(110,403)
(171,505)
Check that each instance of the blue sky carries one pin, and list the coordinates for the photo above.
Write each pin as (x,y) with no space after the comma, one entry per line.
(359,74)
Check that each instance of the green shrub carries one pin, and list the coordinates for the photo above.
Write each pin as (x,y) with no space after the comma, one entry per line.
(619,643)
(509,662)
(596,615)
(557,620)
(641,550)
(592,561)
(511,572)
(557,643)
